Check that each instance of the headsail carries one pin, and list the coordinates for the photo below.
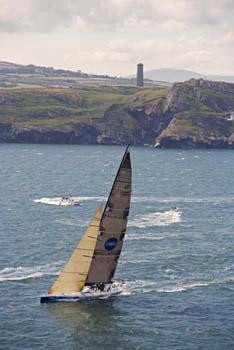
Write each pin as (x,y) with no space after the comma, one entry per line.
(113,226)
(74,274)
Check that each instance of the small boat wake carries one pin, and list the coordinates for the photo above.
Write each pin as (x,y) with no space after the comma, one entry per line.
(166,218)
(65,201)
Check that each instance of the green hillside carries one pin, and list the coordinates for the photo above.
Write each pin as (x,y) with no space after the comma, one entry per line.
(42,106)
(196,113)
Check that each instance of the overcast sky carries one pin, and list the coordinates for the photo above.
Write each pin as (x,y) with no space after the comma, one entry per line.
(112,36)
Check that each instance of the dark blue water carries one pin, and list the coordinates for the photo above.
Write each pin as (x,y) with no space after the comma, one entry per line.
(178,264)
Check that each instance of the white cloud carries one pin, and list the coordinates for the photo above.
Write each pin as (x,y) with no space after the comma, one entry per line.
(226,39)
(112,36)
(114,56)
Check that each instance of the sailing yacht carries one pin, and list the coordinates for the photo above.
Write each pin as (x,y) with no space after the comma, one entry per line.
(90,270)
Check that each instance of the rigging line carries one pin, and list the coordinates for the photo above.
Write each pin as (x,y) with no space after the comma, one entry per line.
(110,215)
(107,255)
(82,261)
(84,248)
(125,209)
(111,232)
(72,272)
(67,282)
(125,182)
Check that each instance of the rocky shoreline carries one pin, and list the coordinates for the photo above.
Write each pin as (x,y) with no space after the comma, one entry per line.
(193,114)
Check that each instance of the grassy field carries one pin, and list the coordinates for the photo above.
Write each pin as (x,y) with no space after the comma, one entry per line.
(58,106)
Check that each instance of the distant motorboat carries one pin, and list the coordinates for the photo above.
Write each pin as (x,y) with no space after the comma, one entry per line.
(69,201)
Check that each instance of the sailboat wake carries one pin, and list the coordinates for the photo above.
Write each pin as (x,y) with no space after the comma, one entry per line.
(147,286)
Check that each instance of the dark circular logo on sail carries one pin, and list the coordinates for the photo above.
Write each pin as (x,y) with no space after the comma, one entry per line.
(111,243)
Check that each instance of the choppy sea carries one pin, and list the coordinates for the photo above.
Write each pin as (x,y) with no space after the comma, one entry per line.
(178,264)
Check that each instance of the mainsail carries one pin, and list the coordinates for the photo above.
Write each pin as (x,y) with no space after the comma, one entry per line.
(112,226)
(74,274)
(96,256)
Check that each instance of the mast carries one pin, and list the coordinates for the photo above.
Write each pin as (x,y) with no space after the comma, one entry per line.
(112,226)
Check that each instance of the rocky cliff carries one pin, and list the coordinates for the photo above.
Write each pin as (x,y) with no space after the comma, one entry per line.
(196,113)
(202,115)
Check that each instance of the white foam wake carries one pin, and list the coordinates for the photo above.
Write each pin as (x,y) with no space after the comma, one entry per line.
(147,286)
(165,218)
(61,202)
(23,273)
(148,236)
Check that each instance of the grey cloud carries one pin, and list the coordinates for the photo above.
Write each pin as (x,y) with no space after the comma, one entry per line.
(49,15)
(38,16)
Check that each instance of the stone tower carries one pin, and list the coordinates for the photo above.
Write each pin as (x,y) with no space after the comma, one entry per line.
(140,77)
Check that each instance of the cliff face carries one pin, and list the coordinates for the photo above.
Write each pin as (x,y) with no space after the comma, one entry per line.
(201,115)
(70,134)
(196,113)
(138,121)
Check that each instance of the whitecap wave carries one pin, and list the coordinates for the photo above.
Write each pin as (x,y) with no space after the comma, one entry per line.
(134,262)
(176,200)
(23,273)
(148,236)
(165,218)
(59,200)
(72,222)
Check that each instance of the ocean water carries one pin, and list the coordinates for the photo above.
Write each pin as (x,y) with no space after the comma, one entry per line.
(178,265)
